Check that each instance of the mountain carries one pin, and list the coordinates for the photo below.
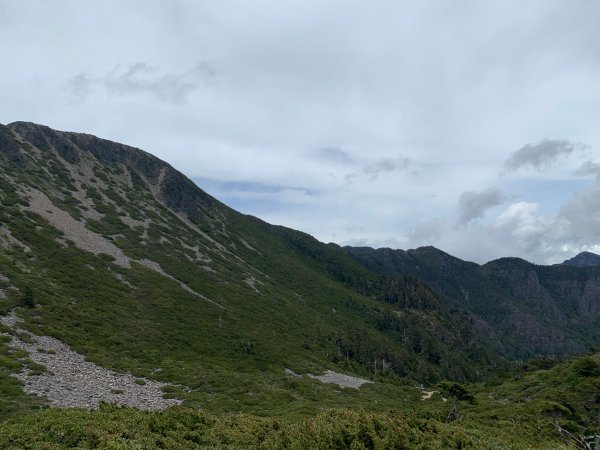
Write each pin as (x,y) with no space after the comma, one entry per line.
(523,309)
(583,259)
(121,281)
(118,255)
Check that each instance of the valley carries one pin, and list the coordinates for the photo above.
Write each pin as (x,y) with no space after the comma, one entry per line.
(116,261)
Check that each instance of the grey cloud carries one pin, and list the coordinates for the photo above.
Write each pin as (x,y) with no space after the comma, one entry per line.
(473,205)
(386,165)
(79,88)
(589,168)
(335,155)
(425,233)
(580,217)
(542,154)
(141,78)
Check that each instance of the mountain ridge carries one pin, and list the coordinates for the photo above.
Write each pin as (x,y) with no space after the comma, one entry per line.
(112,258)
(134,266)
(517,303)
(104,162)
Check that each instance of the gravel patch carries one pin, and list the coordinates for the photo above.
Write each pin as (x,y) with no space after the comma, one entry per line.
(10,320)
(345,381)
(71,381)
(74,230)
(342,380)
(252,282)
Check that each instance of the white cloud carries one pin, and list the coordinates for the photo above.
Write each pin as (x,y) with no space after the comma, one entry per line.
(522,222)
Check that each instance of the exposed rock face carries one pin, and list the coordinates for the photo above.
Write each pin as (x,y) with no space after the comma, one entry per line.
(45,138)
(9,147)
(584,259)
(568,296)
(522,308)
(177,191)
(173,188)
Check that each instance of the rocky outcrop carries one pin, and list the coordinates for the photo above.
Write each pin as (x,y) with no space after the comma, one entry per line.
(9,148)
(172,188)
(45,138)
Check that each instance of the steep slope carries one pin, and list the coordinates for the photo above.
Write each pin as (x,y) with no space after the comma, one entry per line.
(521,308)
(565,300)
(124,259)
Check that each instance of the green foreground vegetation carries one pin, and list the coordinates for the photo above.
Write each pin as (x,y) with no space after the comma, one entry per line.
(522,412)
(179,428)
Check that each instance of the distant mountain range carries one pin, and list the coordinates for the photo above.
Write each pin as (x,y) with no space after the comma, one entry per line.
(133,265)
(522,308)
(583,259)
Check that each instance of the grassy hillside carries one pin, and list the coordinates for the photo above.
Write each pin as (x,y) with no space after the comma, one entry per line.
(118,255)
(133,266)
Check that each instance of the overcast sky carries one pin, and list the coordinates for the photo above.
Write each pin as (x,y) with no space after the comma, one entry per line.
(473,126)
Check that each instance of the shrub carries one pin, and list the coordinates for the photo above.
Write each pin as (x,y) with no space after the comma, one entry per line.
(586,367)
(27,298)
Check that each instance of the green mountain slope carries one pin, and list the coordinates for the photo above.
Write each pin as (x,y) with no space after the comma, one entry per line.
(120,256)
(522,309)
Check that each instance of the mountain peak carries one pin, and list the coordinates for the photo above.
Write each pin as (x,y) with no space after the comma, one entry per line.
(583,259)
